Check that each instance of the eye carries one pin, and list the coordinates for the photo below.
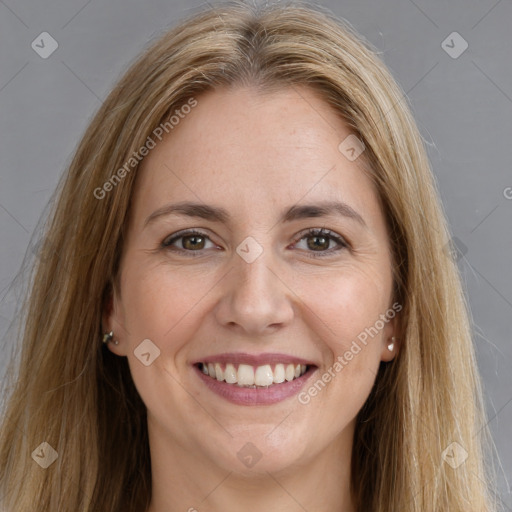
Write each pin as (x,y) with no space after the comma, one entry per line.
(322,241)
(191,241)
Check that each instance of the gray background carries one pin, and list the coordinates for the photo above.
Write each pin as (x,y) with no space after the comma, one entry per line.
(463,107)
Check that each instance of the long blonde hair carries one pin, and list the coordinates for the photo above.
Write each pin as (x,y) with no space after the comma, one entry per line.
(74,394)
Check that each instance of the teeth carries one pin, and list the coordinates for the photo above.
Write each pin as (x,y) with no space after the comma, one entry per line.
(245,375)
(279,373)
(219,374)
(230,374)
(248,376)
(263,376)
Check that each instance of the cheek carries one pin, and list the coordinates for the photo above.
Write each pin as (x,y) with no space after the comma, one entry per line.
(348,315)
(344,313)
(344,306)
(162,304)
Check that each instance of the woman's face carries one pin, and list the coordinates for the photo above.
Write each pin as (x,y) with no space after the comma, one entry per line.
(252,292)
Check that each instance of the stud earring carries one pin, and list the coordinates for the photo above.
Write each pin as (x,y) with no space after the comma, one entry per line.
(391,345)
(107,338)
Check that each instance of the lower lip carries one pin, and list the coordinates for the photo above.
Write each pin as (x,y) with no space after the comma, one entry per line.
(255,396)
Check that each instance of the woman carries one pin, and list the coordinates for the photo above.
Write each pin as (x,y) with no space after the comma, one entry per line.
(246,300)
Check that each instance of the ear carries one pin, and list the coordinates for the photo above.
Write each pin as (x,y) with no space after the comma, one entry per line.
(113,320)
(390,330)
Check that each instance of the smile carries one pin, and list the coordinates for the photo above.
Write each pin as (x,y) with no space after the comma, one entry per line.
(245,375)
(248,379)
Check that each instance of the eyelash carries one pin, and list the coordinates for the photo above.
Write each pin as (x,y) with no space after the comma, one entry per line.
(166,243)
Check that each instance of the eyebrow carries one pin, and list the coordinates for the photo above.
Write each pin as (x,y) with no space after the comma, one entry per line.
(218,214)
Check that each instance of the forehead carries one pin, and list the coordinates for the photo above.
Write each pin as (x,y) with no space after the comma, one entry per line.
(242,147)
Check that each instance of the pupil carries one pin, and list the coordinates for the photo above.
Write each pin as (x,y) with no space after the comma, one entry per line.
(192,242)
(321,245)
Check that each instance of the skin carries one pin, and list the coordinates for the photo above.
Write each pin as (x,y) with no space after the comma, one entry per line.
(255,155)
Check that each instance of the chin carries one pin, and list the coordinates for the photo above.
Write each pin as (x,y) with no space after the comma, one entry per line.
(254,454)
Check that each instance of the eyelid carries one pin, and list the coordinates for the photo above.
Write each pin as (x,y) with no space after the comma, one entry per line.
(182,233)
(340,240)
(321,231)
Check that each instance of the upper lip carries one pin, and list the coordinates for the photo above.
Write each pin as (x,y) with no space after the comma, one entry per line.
(253,359)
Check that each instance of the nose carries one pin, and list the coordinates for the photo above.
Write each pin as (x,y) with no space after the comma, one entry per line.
(255,297)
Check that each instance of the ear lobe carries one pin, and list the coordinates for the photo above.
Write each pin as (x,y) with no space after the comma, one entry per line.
(113,320)
(389,349)
(390,340)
